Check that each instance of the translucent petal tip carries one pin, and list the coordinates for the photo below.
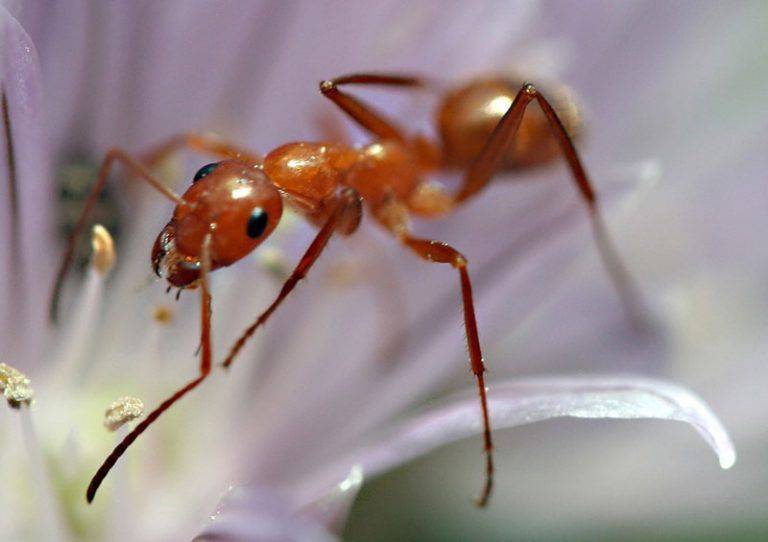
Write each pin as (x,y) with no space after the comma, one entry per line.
(521,402)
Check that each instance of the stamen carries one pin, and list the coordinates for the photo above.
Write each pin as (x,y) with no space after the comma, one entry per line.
(18,391)
(122,411)
(79,332)
(15,386)
(103,246)
(116,418)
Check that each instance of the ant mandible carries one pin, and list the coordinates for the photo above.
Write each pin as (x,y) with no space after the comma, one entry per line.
(236,203)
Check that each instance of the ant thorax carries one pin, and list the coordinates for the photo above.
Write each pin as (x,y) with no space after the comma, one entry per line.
(310,173)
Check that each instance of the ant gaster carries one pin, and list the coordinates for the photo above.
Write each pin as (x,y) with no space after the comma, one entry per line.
(236,203)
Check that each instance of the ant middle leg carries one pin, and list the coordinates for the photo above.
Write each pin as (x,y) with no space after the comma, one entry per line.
(205,369)
(394,217)
(439,252)
(344,219)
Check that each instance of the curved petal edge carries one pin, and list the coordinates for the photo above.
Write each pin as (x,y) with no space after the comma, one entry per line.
(524,401)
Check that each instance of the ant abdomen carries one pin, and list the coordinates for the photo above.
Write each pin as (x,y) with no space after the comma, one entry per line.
(468,114)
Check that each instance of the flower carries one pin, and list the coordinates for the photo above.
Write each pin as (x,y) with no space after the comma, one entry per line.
(694,243)
(326,394)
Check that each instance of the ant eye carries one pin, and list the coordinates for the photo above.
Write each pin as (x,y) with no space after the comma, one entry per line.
(257,223)
(205,170)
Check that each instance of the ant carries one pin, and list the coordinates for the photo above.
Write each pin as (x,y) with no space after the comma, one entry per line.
(236,203)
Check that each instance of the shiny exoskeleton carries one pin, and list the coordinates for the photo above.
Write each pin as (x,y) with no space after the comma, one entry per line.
(235,203)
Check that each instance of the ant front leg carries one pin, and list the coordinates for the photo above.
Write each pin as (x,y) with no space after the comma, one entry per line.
(344,218)
(487,163)
(205,369)
(138,170)
(365,115)
(200,143)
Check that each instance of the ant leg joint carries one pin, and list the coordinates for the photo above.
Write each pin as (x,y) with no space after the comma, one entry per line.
(529,89)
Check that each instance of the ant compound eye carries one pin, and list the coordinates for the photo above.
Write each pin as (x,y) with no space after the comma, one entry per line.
(257,223)
(204,171)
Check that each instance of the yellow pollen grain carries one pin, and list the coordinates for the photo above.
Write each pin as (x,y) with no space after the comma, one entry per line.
(162,314)
(122,411)
(103,247)
(273,260)
(15,386)
(345,272)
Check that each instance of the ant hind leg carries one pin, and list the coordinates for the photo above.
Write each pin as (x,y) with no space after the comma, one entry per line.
(487,163)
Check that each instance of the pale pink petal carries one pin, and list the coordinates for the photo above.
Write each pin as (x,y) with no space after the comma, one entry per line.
(257,515)
(368,374)
(333,508)
(526,401)
(26,247)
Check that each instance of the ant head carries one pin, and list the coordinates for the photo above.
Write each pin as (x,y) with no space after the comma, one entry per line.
(234,202)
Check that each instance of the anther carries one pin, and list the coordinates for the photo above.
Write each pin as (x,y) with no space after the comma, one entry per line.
(103,257)
(15,386)
(122,411)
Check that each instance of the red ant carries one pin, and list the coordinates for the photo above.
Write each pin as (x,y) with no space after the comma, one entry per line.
(236,203)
